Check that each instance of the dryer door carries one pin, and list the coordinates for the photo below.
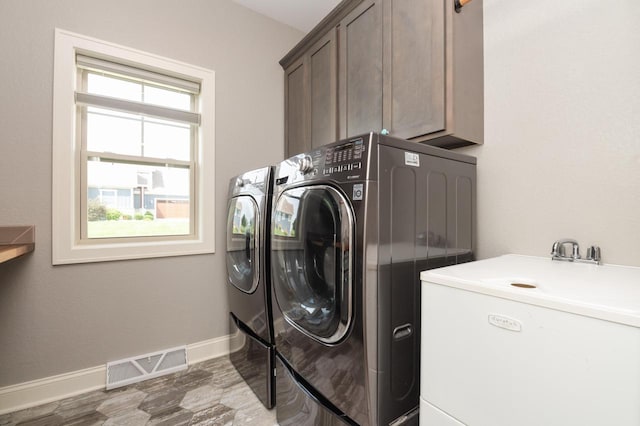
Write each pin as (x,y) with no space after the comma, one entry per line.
(311,239)
(242,239)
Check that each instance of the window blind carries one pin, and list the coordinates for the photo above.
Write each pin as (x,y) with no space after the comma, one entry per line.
(102,65)
(97,65)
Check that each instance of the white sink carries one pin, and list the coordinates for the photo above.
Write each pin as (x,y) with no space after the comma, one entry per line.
(563,348)
(601,291)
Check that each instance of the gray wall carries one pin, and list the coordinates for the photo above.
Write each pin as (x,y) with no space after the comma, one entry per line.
(65,318)
(562,121)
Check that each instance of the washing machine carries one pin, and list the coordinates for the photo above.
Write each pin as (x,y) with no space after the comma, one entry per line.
(247,258)
(353,224)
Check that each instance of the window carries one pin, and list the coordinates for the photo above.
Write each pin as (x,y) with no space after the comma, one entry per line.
(133,154)
(138,132)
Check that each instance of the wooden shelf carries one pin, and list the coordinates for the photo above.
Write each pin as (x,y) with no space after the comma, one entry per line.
(8,252)
(16,241)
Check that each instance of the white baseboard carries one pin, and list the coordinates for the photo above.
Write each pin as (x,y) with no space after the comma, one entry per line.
(213,348)
(42,391)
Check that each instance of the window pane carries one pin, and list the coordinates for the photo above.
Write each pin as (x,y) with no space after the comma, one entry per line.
(114,132)
(114,87)
(164,139)
(132,200)
(167,98)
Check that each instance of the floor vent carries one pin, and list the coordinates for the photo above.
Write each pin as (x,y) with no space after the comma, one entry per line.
(142,367)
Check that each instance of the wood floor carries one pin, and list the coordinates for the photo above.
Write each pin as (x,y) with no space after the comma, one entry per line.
(208,393)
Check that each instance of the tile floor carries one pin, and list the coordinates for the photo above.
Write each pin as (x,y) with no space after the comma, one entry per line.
(207,393)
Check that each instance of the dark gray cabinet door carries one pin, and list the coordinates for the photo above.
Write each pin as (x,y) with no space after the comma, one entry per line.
(323,99)
(360,75)
(296,140)
(414,67)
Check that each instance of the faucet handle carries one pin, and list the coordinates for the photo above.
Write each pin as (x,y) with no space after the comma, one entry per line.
(557,250)
(593,253)
(590,251)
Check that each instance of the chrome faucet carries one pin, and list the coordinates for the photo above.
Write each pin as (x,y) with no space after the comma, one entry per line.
(558,252)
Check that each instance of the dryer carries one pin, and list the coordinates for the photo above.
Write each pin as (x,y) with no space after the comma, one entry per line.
(247,258)
(353,224)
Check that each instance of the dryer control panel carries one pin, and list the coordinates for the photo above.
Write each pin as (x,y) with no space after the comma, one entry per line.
(341,162)
(344,157)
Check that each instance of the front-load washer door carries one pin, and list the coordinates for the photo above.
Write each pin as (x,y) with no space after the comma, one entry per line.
(242,239)
(311,258)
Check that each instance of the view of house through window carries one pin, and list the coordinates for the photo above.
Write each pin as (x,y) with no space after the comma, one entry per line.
(138,137)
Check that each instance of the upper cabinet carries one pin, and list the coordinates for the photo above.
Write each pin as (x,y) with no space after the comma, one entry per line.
(311,93)
(412,67)
(296,96)
(360,70)
(323,85)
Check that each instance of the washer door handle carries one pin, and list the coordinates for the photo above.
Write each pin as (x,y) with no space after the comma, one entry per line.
(247,245)
(402,331)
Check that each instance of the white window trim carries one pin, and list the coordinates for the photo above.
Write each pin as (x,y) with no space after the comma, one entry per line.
(66,245)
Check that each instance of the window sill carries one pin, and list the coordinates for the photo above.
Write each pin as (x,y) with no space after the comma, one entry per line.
(107,252)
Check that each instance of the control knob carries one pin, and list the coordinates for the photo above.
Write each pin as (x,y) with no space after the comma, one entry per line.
(305,165)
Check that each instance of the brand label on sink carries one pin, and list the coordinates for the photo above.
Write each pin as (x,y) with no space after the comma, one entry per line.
(505,322)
